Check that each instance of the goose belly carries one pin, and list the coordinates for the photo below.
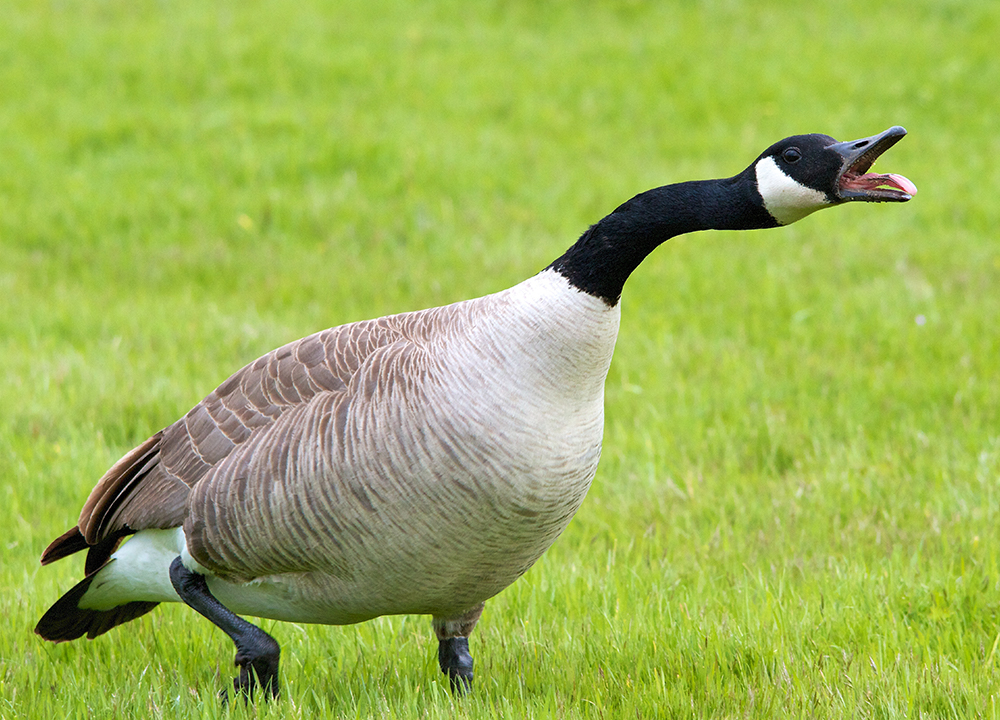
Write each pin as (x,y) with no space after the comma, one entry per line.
(417,553)
(436,543)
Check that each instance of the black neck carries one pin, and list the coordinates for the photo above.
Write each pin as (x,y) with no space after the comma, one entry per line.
(600,262)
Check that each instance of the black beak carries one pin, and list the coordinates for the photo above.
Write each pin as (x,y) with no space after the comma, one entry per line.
(855,183)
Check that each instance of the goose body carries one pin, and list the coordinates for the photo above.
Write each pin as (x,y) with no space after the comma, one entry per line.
(416,463)
(408,506)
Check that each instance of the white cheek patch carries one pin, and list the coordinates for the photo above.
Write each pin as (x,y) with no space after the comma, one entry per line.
(786,199)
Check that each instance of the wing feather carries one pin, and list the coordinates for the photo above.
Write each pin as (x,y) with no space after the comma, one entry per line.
(148,487)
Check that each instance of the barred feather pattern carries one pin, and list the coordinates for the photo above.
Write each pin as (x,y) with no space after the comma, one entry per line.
(249,401)
(450,461)
(417,463)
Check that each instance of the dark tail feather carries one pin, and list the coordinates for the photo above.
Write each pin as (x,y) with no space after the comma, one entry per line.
(66,621)
(66,544)
(72,541)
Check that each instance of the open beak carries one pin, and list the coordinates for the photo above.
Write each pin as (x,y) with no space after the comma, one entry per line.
(857,184)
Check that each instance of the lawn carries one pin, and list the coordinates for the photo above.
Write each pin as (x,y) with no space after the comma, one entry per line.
(797,512)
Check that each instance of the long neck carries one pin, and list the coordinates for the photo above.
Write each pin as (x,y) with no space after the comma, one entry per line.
(601,261)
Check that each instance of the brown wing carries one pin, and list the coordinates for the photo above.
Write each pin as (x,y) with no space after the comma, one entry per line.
(148,487)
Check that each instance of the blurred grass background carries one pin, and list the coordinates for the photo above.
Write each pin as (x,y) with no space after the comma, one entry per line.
(796,514)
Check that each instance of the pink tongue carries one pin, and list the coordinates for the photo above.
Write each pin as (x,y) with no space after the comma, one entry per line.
(902,183)
(873,180)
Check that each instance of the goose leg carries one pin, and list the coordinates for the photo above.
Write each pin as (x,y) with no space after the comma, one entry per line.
(453,648)
(257,652)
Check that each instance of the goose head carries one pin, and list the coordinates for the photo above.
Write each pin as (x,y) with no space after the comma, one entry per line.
(804,173)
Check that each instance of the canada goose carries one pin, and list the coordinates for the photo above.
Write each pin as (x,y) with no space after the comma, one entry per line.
(417,463)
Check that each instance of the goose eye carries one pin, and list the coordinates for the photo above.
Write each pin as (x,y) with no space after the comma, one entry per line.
(791,155)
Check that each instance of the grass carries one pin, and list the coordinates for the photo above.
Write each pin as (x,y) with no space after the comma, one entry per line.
(798,507)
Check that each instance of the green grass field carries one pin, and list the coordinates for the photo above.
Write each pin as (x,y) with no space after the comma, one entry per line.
(797,510)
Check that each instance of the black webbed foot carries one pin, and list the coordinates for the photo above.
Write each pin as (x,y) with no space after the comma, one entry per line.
(456,663)
(257,653)
(258,668)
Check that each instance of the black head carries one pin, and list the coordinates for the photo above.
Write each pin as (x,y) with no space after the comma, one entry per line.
(804,173)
